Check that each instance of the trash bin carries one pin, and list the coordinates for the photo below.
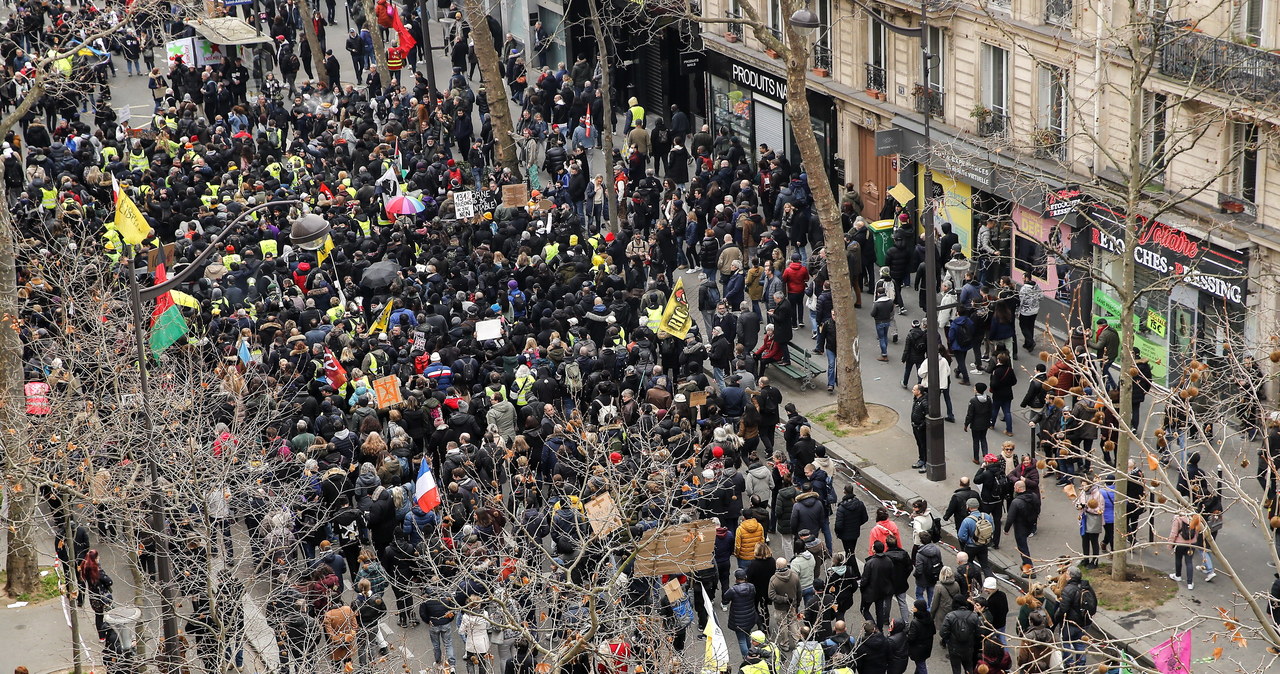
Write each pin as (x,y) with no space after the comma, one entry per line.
(882,235)
(124,620)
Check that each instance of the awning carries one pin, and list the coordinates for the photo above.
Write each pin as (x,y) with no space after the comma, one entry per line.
(228,30)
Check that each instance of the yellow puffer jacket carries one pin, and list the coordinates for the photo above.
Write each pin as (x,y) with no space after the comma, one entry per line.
(749,534)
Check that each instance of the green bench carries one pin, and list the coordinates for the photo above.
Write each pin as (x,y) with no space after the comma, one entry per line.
(803,368)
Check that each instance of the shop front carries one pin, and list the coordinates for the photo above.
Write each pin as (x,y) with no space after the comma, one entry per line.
(748,102)
(1042,242)
(1175,322)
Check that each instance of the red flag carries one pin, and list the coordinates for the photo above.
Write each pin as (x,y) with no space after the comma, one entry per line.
(324,189)
(333,370)
(406,40)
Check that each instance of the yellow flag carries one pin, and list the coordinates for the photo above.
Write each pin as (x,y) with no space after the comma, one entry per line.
(323,253)
(380,325)
(132,226)
(676,320)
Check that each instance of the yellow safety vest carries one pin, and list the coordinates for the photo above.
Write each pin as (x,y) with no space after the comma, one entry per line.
(550,251)
(490,392)
(524,386)
(335,313)
(171,123)
(210,198)
(48,198)
(366,227)
(268,247)
(274,169)
(273,136)
(228,259)
(654,318)
(637,114)
(138,161)
(761,667)
(109,154)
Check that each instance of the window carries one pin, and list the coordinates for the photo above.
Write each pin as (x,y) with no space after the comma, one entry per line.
(822,46)
(1058,13)
(735,12)
(1001,5)
(1154,135)
(995,90)
(1050,134)
(775,18)
(930,99)
(1244,148)
(877,49)
(1249,21)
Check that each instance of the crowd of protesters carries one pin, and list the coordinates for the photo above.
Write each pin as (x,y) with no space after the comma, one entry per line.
(583,377)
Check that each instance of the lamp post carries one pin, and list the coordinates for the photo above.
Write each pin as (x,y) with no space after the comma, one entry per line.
(936,452)
(309,231)
(171,653)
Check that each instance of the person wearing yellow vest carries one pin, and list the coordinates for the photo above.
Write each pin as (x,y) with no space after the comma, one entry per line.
(769,653)
(230,257)
(138,161)
(522,387)
(653,317)
(269,247)
(755,663)
(210,197)
(635,112)
(48,200)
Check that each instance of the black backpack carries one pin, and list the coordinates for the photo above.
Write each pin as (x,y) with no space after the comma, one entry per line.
(1086,604)
(1001,486)
(935,530)
(964,333)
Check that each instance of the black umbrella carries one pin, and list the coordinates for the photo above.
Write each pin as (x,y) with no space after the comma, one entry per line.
(380,275)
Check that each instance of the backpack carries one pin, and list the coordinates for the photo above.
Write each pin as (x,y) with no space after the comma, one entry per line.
(573,376)
(1086,604)
(935,530)
(964,333)
(964,630)
(1001,486)
(983,530)
(469,371)
(291,60)
(1185,532)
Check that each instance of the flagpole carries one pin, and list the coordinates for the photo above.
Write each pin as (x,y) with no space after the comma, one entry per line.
(164,566)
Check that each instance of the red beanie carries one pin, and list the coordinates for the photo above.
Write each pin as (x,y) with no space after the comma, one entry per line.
(717,452)
(615,458)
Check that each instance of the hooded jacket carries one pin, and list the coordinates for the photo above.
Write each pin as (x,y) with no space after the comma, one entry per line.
(759,484)
(809,513)
(750,534)
(784,590)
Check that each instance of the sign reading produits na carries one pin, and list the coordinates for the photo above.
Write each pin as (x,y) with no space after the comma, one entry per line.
(762,82)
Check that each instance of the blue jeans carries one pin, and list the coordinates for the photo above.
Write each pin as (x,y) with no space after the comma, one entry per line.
(1073,647)
(718,374)
(1005,406)
(831,368)
(744,642)
(925,593)
(882,335)
(442,640)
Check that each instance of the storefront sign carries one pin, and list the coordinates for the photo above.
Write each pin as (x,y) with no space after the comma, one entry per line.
(975,171)
(1063,202)
(756,80)
(1167,250)
(1156,323)
(888,142)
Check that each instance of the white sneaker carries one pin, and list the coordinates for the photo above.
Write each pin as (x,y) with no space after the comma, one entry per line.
(1209,578)
(1191,586)
(1175,578)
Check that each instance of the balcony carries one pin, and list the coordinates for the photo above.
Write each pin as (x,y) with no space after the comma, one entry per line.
(734,29)
(1058,13)
(822,57)
(993,125)
(1225,66)
(929,100)
(876,78)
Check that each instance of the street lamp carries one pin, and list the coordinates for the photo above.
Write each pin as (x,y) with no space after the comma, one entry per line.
(309,231)
(936,453)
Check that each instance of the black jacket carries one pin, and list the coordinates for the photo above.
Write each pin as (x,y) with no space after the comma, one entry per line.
(978,418)
(851,515)
(920,636)
(956,510)
(877,578)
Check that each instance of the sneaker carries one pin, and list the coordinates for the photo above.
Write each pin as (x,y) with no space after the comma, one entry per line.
(830,389)
(974,370)
(1200,568)
(1191,586)
(1175,578)
(883,358)
(918,465)
(1209,578)
(902,311)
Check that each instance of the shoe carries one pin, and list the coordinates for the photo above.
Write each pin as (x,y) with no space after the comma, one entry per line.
(922,470)
(951,420)
(895,339)
(977,463)
(883,358)
(1175,578)
(974,370)
(1191,586)
(1200,568)
(1009,433)
(857,305)
(918,465)
(902,311)
(1209,578)
(830,389)
(817,352)
(997,547)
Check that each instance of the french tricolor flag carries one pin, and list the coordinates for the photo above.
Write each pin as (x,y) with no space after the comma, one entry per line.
(426,489)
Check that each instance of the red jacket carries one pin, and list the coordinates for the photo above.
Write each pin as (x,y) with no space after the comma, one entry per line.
(795,276)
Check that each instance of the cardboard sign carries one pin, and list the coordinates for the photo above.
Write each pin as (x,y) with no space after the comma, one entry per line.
(387,390)
(697,398)
(673,590)
(603,514)
(153,256)
(464,205)
(515,196)
(490,329)
(681,548)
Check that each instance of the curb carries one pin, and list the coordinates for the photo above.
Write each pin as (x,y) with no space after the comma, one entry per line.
(893,494)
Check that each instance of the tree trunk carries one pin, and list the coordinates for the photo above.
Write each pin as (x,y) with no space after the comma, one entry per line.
(21,564)
(379,47)
(491,74)
(851,404)
(604,126)
(313,40)
(73,584)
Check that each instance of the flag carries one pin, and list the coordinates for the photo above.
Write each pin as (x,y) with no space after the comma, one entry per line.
(676,320)
(384,319)
(243,352)
(390,183)
(323,253)
(333,370)
(324,189)
(428,494)
(717,655)
(1173,656)
(167,323)
(397,24)
(129,221)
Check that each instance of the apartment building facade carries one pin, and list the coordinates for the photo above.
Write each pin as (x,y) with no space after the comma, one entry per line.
(1034,108)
